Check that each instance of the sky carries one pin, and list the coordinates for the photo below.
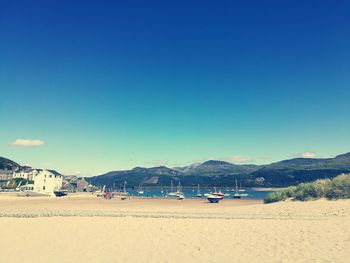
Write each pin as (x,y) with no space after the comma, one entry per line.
(88,87)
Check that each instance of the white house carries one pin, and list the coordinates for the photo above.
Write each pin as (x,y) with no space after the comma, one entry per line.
(5,175)
(260,180)
(44,181)
(26,174)
(47,181)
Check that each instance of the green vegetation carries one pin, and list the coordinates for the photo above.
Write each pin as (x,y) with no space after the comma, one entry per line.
(14,183)
(336,188)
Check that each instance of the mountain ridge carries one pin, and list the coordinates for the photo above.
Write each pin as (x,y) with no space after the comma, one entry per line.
(222,173)
(8,165)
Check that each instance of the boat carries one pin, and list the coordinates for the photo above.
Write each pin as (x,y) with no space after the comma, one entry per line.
(140,190)
(60,193)
(179,190)
(180,197)
(99,193)
(218,193)
(122,193)
(108,195)
(240,188)
(172,193)
(124,189)
(198,192)
(214,198)
(237,195)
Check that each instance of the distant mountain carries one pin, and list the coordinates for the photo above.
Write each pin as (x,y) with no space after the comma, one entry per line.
(220,173)
(208,173)
(8,165)
(213,167)
(298,170)
(188,168)
(340,161)
(137,176)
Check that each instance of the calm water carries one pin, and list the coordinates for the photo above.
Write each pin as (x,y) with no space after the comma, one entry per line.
(191,193)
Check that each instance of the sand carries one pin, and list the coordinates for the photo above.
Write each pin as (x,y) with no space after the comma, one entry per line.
(83,228)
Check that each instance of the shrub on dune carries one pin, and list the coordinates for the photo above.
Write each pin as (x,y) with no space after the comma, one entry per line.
(275,197)
(338,187)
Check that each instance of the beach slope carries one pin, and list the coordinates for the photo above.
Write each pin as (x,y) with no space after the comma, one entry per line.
(172,231)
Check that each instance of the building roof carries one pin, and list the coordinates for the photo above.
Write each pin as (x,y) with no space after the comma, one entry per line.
(55,172)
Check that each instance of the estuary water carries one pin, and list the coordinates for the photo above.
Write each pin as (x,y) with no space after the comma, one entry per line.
(192,192)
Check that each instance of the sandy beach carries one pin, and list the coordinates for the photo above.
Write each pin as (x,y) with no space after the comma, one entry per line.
(83,228)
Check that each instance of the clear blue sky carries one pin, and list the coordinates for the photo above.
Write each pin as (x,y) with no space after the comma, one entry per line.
(109,85)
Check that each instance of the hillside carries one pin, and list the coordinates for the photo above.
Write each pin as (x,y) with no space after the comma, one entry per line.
(213,167)
(220,173)
(8,165)
(298,170)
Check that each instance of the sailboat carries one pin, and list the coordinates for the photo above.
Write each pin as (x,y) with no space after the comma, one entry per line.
(218,193)
(240,188)
(179,189)
(124,195)
(180,197)
(140,190)
(99,193)
(214,198)
(124,190)
(179,193)
(198,192)
(172,193)
(237,195)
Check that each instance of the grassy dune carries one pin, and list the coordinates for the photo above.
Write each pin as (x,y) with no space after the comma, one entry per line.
(336,188)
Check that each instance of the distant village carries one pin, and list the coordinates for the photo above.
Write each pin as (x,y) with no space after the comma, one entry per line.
(41,181)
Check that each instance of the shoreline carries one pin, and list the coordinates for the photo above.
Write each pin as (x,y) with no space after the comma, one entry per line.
(267,188)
